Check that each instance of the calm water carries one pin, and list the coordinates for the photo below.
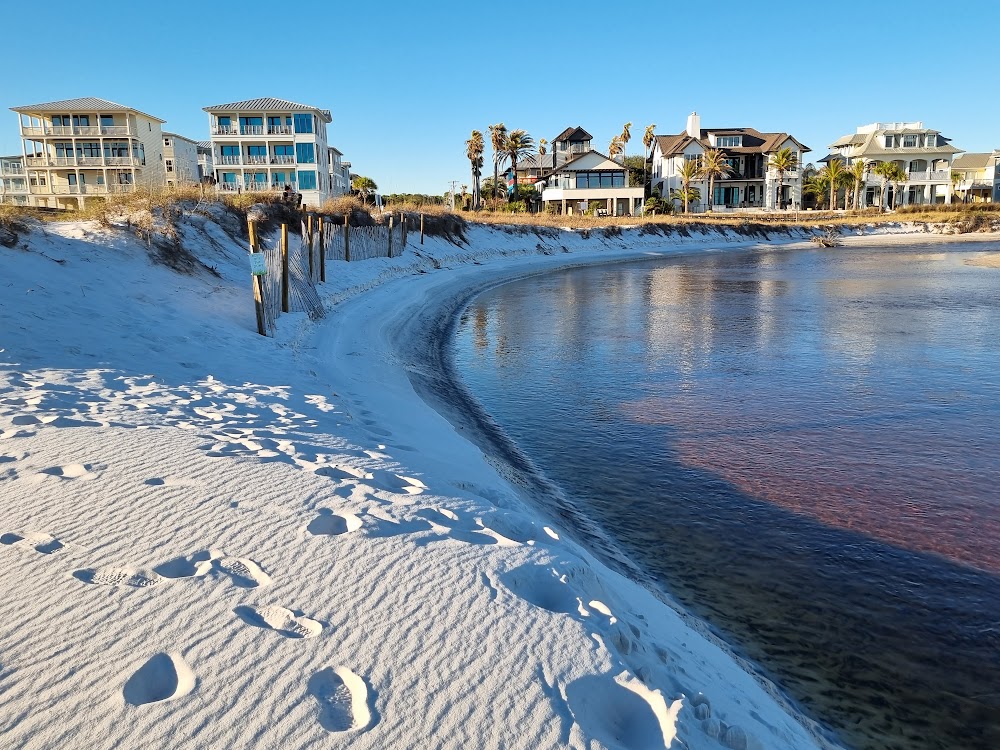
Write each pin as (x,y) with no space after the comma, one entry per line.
(802,446)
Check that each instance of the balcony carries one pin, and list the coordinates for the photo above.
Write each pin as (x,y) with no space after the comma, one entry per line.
(235,160)
(280,130)
(12,169)
(791,174)
(62,131)
(87,162)
(933,176)
(283,159)
(256,159)
(81,189)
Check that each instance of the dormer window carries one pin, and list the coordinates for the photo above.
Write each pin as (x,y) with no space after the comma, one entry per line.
(909,141)
(888,141)
(728,141)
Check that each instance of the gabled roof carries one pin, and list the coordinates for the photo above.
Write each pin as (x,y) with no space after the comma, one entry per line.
(754,142)
(87,104)
(972,161)
(565,166)
(177,135)
(268,105)
(576,134)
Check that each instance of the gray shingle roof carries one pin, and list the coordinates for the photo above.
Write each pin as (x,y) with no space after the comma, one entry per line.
(178,135)
(972,161)
(267,104)
(86,104)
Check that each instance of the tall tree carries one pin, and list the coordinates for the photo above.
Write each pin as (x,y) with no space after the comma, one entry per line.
(498,137)
(782,161)
(713,166)
(625,137)
(688,172)
(647,140)
(518,145)
(858,173)
(474,148)
(615,147)
(685,194)
(886,170)
(364,186)
(836,177)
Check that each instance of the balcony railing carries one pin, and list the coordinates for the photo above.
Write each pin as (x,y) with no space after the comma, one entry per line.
(280,130)
(932,176)
(283,159)
(250,186)
(791,174)
(74,130)
(225,130)
(12,169)
(256,160)
(81,189)
(83,161)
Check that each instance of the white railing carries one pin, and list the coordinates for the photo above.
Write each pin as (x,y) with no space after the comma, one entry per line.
(14,187)
(81,189)
(251,130)
(791,174)
(225,130)
(250,186)
(932,176)
(10,169)
(282,159)
(229,159)
(256,159)
(280,130)
(75,130)
(83,161)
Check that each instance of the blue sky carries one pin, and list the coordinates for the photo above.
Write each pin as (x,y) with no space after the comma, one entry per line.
(407,81)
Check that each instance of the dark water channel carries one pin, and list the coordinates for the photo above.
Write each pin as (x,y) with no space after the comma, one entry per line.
(802,446)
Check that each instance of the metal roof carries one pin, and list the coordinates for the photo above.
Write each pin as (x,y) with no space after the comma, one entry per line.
(87,104)
(267,105)
(178,135)
(972,161)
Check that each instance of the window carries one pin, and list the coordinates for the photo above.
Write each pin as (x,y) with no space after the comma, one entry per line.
(107,121)
(252,125)
(61,121)
(693,157)
(932,141)
(600,179)
(728,141)
(83,120)
(90,149)
(115,149)
(734,164)
(307,180)
(278,178)
(170,165)
(166,141)
(229,177)
(142,154)
(303,123)
(283,150)
(909,141)
(256,150)
(71,179)
(225,124)
(229,150)
(888,141)
(305,153)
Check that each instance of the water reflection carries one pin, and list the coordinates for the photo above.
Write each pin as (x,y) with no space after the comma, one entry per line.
(804,446)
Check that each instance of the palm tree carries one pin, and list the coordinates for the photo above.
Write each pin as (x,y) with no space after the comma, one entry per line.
(899,178)
(615,147)
(885,170)
(498,136)
(364,186)
(647,141)
(835,176)
(474,148)
(625,137)
(713,165)
(517,146)
(685,194)
(688,173)
(858,172)
(781,161)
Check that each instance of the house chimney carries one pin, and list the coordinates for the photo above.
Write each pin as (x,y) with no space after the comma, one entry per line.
(694,125)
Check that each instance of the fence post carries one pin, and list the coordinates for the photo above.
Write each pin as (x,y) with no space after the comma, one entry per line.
(322,251)
(258,282)
(284,268)
(309,230)
(347,238)
(421,229)
(402,228)
(391,217)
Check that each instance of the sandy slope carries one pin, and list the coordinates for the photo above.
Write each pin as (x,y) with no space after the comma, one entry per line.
(210,539)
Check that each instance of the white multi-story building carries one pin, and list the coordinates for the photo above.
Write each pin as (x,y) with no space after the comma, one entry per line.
(591,181)
(80,148)
(340,173)
(923,154)
(206,166)
(268,144)
(973,176)
(13,182)
(996,176)
(751,183)
(180,159)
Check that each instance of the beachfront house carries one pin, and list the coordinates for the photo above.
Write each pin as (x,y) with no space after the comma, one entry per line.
(590,182)
(751,183)
(266,144)
(973,175)
(206,166)
(569,144)
(340,172)
(77,149)
(180,159)
(13,183)
(923,154)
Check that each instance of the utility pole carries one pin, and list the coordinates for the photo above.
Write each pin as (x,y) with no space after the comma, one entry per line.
(451,193)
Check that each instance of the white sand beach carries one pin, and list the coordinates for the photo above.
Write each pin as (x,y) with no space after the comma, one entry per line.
(213,539)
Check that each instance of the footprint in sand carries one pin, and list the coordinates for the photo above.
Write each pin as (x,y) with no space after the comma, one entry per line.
(135,577)
(623,713)
(165,677)
(328,523)
(38,541)
(281,620)
(243,571)
(192,566)
(343,700)
(74,471)
(543,587)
